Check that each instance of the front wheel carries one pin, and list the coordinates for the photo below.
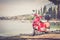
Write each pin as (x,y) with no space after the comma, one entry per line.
(34,32)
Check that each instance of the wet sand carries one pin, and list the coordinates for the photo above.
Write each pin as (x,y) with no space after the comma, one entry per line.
(43,36)
(37,37)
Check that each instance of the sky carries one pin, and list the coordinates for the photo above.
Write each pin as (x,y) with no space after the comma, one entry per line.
(20,7)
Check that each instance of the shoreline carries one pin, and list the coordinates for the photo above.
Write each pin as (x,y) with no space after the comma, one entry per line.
(37,37)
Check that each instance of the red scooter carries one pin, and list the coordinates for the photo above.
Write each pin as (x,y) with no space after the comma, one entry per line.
(41,27)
